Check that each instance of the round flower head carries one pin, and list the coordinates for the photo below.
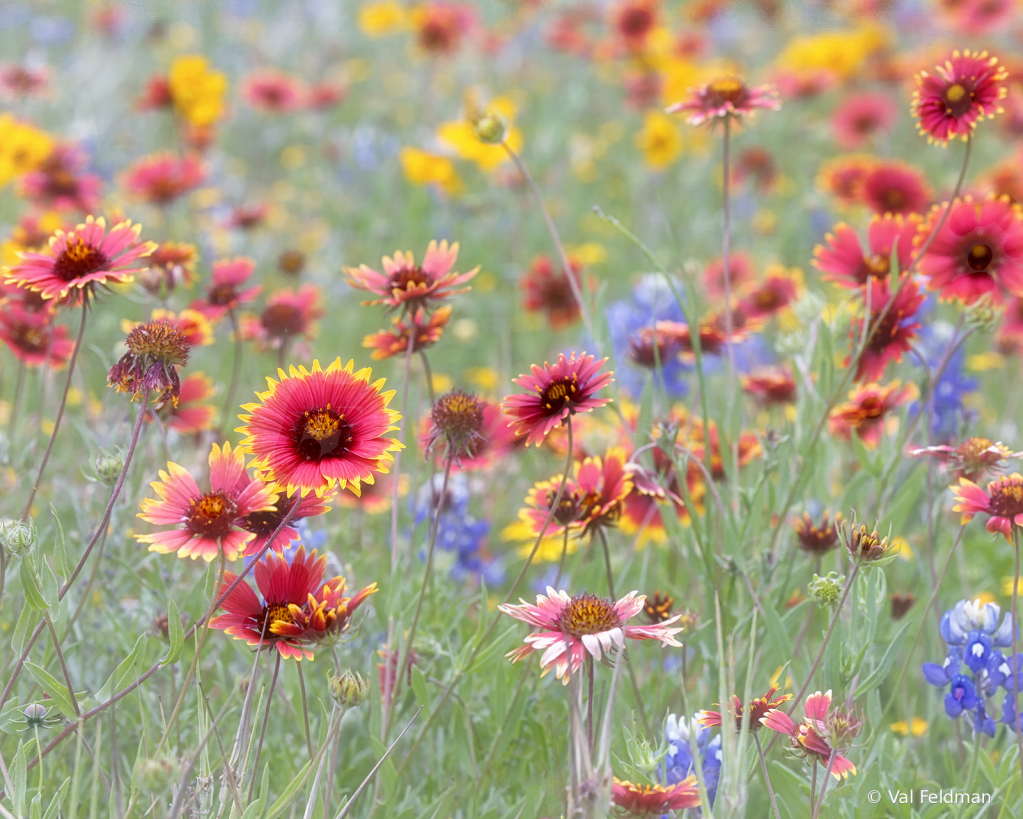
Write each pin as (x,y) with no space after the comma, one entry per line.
(547,289)
(846,263)
(32,336)
(894,328)
(205,522)
(224,291)
(265,522)
(1002,502)
(556,392)
(726,98)
(424,330)
(313,430)
(191,414)
(978,250)
(457,419)
(809,738)
(273,92)
(895,187)
(572,627)
(771,386)
(162,178)
(648,801)
(409,286)
(817,538)
(842,177)
(860,117)
(82,259)
(155,350)
(962,91)
(758,708)
(866,411)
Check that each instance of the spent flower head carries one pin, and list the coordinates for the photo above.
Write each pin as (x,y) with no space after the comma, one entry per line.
(155,350)
(457,418)
(863,545)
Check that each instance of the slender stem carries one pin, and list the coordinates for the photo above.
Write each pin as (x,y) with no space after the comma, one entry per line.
(1015,656)
(607,563)
(561,562)
(19,385)
(562,255)
(310,805)
(589,702)
(305,709)
(824,783)
(236,368)
(813,786)
(725,247)
(96,535)
(60,410)
(767,776)
(397,455)
(428,375)
(39,750)
(262,730)
(63,664)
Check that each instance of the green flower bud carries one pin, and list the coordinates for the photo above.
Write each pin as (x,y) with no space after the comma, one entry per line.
(107,466)
(826,591)
(490,128)
(348,690)
(19,537)
(157,774)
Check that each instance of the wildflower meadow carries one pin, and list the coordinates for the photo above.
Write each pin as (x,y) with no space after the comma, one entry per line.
(511,409)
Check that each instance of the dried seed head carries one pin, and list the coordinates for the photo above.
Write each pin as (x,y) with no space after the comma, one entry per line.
(457,420)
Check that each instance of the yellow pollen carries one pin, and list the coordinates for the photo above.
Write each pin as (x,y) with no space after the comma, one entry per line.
(955,93)
(322,424)
(728,89)
(211,506)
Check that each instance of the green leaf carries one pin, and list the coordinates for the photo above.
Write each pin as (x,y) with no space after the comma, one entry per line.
(176,634)
(19,779)
(35,810)
(878,674)
(420,687)
(286,798)
(115,682)
(870,463)
(51,685)
(25,621)
(58,797)
(49,584)
(33,597)
(59,549)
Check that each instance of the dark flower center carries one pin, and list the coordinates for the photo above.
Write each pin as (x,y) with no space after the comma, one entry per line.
(658,608)
(274,613)
(636,21)
(78,260)
(265,523)
(558,393)
(222,295)
(872,408)
(957,100)
(30,339)
(727,90)
(410,278)
(877,266)
(980,257)
(283,320)
(1006,498)
(588,614)
(212,514)
(893,199)
(321,433)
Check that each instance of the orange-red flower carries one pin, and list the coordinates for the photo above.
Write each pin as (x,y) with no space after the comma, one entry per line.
(32,336)
(845,262)
(1002,502)
(964,90)
(192,414)
(426,329)
(162,178)
(972,458)
(867,409)
(225,292)
(758,708)
(895,187)
(726,98)
(771,385)
(313,430)
(264,523)
(648,801)
(894,327)
(546,289)
(810,738)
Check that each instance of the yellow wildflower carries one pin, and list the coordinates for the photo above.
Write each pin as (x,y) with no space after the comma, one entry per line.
(463,138)
(23,148)
(383,18)
(425,168)
(196,90)
(659,140)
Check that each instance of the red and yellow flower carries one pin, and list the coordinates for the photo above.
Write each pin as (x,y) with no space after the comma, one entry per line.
(964,90)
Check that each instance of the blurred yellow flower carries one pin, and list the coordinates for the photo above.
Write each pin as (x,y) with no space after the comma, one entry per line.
(660,140)
(985,361)
(47,223)
(463,138)
(425,168)
(383,18)
(841,53)
(550,547)
(483,377)
(23,148)
(196,90)
(587,253)
(918,727)
(1007,587)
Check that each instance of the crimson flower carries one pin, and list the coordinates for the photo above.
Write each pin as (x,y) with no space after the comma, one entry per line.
(964,90)
(809,738)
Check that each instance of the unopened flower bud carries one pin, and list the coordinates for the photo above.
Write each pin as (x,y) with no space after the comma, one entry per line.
(35,715)
(107,465)
(348,690)
(826,591)
(156,775)
(490,128)
(19,537)
(843,726)
(983,315)
(864,546)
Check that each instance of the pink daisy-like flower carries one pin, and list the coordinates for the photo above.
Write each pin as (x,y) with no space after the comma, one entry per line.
(404,284)
(32,336)
(162,178)
(842,177)
(867,411)
(556,392)
(60,182)
(205,522)
(1002,502)
(977,17)
(82,259)
(421,331)
(894,333)
(846,263)
(740,269)
(273,92)
(972,458)
(860,117)
(314,430)
(225,291)
(961,92)
(895,187)
(726,98)
(810,738)
(978,250)
(264,523)
(572,627)
(191,415)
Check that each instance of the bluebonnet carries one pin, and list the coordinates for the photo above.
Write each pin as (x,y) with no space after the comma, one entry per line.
(679,762)
(458,532)
(948,412)
(974,633)
(652,301)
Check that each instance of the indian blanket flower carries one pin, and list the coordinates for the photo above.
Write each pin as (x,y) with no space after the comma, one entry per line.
(860,117)
(162,178)
(225,292)
(155,351)
(556,393)
(864,545)
(1002,502)
(32,337)
(809,738)
(847,263)
(423,330)
(440,26)
(776,290)
(192,414)
(770,386)
(962,91)
(295,608)
(82,259)
(895,187)
(60,182)
(972,458)
(817,538)
(866,411)
(648,801)
(546,289)
(409,286)
(313,430)
(264,523)
(273,92)
(842,178)
(978,250)
(170,265)
(574,627)
(288,315)
(726,98)
(496,439)
(740,270)
(894,328)
(758,708)
(205,522)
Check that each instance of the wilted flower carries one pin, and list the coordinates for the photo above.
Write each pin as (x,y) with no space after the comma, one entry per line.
(863,545)
(155,350)
(810,738)
(817,539)
(457,419)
